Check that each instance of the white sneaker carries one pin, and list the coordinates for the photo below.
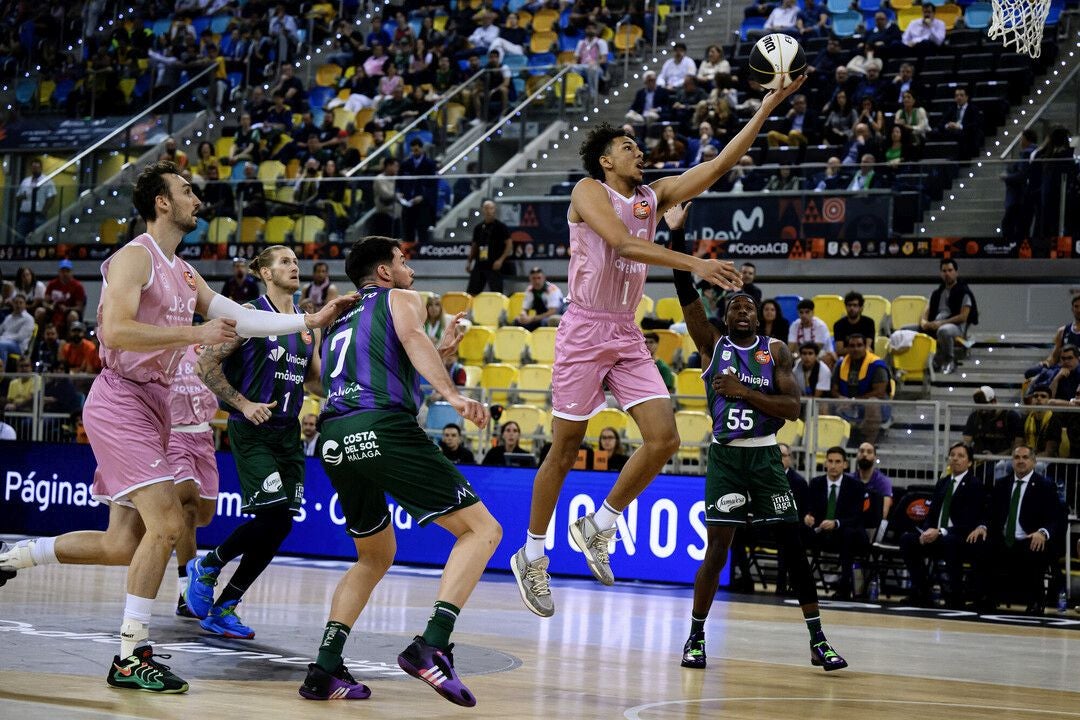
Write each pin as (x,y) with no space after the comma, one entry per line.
(16,557)
(533,583)
(593,542)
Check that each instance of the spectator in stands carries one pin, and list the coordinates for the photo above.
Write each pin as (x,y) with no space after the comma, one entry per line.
(35,198)
(720,114)
(217,197)
(748,273)
(78,353)
(992,430)
(957,509)
(811,329)
(15,331)
(1057,180)
(822,68)
(676,68)
(772,322)
(841,118)
(291,88)
(435,320)
(686,101)
(925,35)
(800,126)
(883,39)
(320,290)
(389,111)
(814,375)
(714,72)
(513,39)
(174,155)
(543,302)
(484,35)
(494,102)
(453,446)
(250,193)
(278,120)
(1067,334)
(390,82)
(246,142)
(669,152)
(695,148)
(282,26)
(853,323)
(21,390)
(590,58)
(953,309)
(817,21)
(387,215)
(912,118)
(509,442)
(787,18)
(1037,423)
(873,480)
(862,143)
(873,118)
(26,282)
(743,177)
(1024,511)
(862,375)
(898,150)
(904,81)
(206,160)
(417,191)
(64,293)
(866,177)
(611,444)
(1066,381)
(242,287)
(652,344)
(1016,223)
(962,123)
(331,200)
(490,252)
(309,434)
(651,103)
(834,517)
(784,180)
(375,65)
(46,352)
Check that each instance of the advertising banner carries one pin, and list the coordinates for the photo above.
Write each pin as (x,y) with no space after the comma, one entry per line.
(661,537)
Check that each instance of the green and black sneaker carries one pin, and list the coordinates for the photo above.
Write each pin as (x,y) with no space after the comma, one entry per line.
(142,672)
(822,655)
(693,654)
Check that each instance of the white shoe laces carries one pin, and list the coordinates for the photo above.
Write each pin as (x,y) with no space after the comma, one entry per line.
(599,544)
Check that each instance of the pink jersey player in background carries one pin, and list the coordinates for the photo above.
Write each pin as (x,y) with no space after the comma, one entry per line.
(613,218)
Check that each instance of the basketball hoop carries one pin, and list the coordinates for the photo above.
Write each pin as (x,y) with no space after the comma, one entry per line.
(1020,23)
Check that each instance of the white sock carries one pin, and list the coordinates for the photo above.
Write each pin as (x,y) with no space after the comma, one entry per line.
(43,551)
(606,516)
(534,546)
(135,631)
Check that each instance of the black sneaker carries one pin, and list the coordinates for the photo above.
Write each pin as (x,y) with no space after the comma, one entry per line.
(338,685)
(6,575)
(693,652)
(822,655)
(182,609)
(142,672)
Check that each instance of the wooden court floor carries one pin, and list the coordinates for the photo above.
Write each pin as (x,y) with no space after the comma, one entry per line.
(607,653)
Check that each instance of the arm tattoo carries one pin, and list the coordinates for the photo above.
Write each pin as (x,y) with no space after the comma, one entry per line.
(210,372)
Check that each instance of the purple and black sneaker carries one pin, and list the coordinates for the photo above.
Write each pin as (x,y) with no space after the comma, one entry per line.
(338,685)
(436,668)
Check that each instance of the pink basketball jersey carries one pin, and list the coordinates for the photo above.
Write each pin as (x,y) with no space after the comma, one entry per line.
(190,402)
(598,278)
(168,299)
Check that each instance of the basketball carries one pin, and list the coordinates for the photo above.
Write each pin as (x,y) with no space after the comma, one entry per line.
(776,61)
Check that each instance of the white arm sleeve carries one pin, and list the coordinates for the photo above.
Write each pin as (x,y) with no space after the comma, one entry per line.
(255,323)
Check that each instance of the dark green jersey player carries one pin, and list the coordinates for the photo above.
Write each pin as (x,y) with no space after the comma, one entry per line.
(751,391)
(261,383)
(371,446)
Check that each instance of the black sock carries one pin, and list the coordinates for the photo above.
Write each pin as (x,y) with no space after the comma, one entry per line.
(263,535)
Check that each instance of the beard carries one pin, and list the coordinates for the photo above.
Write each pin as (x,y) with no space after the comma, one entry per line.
(186,223)
(864,463)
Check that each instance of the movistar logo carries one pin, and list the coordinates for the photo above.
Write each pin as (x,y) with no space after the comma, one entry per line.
(742,222)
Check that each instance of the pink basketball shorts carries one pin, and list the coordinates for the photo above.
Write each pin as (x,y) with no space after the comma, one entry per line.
(128,426)
(594,349)
(191,457)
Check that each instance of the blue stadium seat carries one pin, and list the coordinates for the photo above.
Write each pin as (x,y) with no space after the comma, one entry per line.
(789,306)
(441,414)
(26,91)
(219,24)
(425,136)
(869,5)
(236,79)
(201,23)
(543,61)
(515,62)
(162,26)
(61,91)
(846,24)
(837,7)
(751,24)
(1054,14)
(566,42)
(319,96)
(977,16)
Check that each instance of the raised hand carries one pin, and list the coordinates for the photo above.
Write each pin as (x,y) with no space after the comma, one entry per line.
(719,272)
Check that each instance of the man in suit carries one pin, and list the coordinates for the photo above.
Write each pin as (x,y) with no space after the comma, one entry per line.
(883,39)
(1024,510)
(801,127)
(958,508)
(417,194)
(651,103)
(834,517)
(963,123)
(1016,224)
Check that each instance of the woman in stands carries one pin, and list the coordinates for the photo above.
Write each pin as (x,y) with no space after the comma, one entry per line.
(840,120)
(509,442)
(670,152)
(436,320)
(772,322)
(206,159)
(612,445)
(898,151)
(874,118)
(912,118)
(712,66)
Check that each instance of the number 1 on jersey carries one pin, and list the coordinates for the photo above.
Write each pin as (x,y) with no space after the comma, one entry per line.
(625,290)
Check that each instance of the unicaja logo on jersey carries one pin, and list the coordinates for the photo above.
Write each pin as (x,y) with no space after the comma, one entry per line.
(276,353)
(331,453)
(729,502)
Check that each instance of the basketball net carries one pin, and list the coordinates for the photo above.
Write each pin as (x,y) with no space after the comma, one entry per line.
(1020,23)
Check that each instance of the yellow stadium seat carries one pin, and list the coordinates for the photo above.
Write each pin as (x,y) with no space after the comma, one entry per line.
(572,82)
(831,430)
(223,146)
(270,171)
(949,13)
(878,309)
(439,22)
(668,308)
(669,343)
(328,75)
(644,307)
(221,228)
(542,41)
(688,347)
(277,229)
(695,434)
(514,305)
(454,302)
(112,231)
(907,15)
(898,5)
(690,389)
(529,418)
(511,344)
(913,363)
(361,142)
(472,375)
(308,227)
(829,308)
(543,345)
(608,417)
(544,20)
(127,87)
(292,170)
(285,194)
(45,91)
(498,379)
(524,18)
(488,308)
(342,117)
(474,345)
(455,113)
(907,310)
(791,432)
(566,57)
(537,378)
(363,117)
(627,38)
(250,229)
(110,166)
